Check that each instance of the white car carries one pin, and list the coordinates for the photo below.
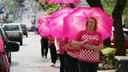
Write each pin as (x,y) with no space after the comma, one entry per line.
(14,32)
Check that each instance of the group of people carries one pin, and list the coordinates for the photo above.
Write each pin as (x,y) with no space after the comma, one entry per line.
(79,55)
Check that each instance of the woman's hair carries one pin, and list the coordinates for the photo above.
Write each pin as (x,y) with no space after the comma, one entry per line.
(95,23)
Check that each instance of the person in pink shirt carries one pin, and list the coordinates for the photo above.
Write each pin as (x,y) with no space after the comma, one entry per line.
(61,48)
(53,51)
(44,46)
(71,57)
(89,42)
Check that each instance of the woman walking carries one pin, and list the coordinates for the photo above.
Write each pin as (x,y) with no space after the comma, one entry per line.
(53,51)
(71,54)
(44,46)
(61,46)
(89,42)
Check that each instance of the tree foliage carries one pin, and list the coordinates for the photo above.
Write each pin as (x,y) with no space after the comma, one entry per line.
(118,31)
(108,6)
(52,7)
(125,13)
(49,7)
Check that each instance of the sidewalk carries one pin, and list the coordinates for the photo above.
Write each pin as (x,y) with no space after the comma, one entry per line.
(57,66)
(106,70)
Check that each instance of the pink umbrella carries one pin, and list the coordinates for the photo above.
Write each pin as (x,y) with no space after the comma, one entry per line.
(56,22)
(76,20)
(64,1)
(43,28)
(63,10)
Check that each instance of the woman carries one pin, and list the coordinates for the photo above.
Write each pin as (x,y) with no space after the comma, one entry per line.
(61,47)
(44,46)
(89,42)
(71,57)
(53,51)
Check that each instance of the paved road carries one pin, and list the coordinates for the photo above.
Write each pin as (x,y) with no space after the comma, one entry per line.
(29,59)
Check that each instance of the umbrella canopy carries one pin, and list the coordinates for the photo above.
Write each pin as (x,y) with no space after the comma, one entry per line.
(56,22)
(43,28)
(75,21)
(64,1)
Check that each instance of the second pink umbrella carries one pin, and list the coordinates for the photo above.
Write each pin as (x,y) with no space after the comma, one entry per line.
(43,28)
(56,22)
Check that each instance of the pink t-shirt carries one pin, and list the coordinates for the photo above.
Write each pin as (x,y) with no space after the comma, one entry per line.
(61,46)
(70,50)
(86,54)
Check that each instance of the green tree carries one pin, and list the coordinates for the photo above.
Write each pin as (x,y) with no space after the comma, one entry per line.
(49,7)
(125,13)
(118,31)
(52,7)
(108,6)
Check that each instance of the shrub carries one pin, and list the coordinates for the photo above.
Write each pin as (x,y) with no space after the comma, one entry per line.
(107,61)
(126,52)
(108,51)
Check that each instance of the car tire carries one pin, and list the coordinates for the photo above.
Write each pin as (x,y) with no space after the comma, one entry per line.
(21,42)
(26,35)
(9,59)
(8,70)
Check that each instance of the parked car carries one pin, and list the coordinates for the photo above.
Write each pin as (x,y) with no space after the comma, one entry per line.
(33,28)
(24,29)
(5,40)
(14,32)
(4,48)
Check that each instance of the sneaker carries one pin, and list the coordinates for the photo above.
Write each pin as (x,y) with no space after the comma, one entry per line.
(45,56)
(42,56)
(53,65)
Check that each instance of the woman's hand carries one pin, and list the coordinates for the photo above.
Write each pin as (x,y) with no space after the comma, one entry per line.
(85,41)
(65,46)
(91,47)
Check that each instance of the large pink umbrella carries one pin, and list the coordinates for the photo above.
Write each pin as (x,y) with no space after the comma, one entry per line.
(43,28)
(64,1)
(76,20)
(56,22)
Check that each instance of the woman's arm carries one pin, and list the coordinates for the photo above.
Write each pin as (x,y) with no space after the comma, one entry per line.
(78,43)
(56,43)
(93,47)
(98,48)
(75,44)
